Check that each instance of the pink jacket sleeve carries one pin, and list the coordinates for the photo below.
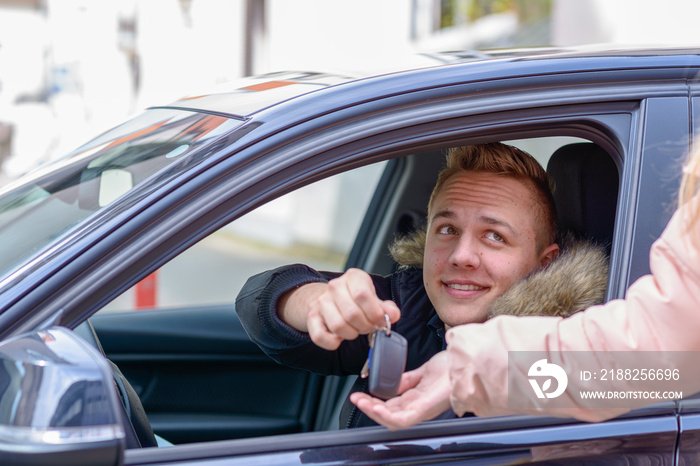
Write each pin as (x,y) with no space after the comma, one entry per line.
(661,312)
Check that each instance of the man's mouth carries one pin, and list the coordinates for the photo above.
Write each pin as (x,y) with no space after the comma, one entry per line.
(455,286)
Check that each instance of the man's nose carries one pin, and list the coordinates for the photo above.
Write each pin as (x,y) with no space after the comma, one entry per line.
(465,253)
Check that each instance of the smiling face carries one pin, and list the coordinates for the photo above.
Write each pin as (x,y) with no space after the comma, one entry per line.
(481,239)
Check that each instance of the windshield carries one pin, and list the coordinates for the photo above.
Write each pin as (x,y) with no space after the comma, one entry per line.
(45,204)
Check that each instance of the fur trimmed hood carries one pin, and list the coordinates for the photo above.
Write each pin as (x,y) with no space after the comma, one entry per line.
(574,281)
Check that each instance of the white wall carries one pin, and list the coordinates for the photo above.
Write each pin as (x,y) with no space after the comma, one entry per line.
(337,34)
(184,51)
(626,22)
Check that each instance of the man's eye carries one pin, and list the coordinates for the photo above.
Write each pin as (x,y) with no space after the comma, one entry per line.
(447,230)
(492,235)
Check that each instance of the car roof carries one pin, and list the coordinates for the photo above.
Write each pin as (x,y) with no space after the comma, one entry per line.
(246,96)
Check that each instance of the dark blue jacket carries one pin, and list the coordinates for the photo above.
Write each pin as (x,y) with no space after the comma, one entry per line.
(256,306)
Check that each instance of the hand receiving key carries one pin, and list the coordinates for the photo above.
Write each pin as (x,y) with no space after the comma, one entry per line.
(386,361)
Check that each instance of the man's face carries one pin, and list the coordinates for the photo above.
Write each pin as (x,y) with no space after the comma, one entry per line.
(481,240)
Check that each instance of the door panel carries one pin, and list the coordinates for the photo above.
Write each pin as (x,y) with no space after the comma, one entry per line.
(646,437)
(200,378)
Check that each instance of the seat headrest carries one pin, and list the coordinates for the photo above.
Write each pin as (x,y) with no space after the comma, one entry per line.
(586,183)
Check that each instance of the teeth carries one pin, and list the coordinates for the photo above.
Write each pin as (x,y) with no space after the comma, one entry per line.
(466,287)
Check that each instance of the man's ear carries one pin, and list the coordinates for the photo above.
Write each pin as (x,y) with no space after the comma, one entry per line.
(549,254)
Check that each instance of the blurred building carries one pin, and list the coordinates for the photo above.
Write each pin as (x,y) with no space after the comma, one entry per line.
(71,68)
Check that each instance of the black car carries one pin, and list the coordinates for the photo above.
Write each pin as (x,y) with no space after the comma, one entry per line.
(189,197)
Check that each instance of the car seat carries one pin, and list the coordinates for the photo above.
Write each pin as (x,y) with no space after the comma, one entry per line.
(586,185)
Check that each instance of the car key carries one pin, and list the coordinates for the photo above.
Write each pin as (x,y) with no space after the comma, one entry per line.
(386,361)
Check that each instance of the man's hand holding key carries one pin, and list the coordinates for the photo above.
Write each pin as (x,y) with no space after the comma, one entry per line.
(342,309)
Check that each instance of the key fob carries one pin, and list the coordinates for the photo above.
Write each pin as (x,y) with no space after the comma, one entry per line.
(387,362)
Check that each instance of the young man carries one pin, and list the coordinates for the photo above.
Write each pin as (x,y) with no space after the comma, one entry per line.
(491,222)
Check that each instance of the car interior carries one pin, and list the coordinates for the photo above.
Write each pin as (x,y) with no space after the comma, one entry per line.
(190,374)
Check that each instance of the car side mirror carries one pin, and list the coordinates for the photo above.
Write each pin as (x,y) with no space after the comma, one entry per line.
(58,404)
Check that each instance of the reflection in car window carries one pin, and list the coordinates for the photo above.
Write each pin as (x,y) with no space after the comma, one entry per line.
(45,204)
(315,225)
